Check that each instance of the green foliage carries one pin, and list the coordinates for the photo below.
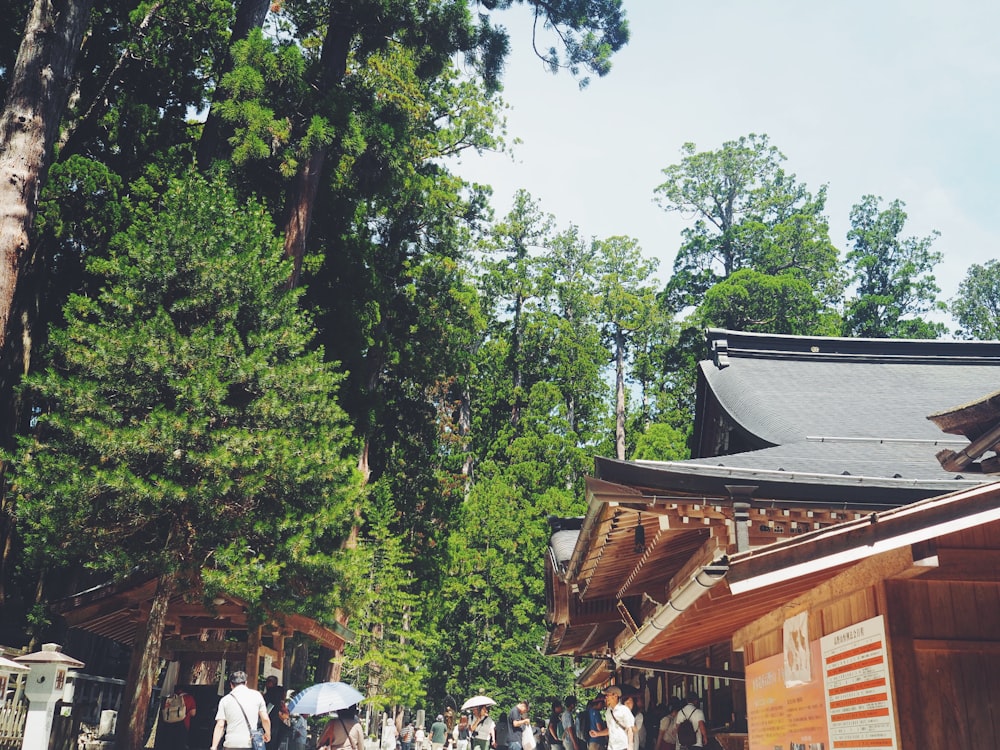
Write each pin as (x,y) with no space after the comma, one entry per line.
(749,300)
(749,213)
(266,80)
(186,393)
(893,275)
(589,31)
(661,442)
(389,653)
(976,307)
(186,424)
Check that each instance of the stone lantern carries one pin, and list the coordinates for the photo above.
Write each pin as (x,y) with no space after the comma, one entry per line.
(44,688)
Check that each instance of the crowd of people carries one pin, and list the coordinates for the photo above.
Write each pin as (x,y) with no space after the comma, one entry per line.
(615,719)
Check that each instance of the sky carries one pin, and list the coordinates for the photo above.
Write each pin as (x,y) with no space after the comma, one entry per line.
(895,98)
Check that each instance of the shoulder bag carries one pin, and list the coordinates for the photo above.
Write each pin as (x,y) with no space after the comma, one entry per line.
(256,735)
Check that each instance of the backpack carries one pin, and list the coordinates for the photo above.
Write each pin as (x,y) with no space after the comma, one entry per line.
(686,734)
(174,708)
(583,725)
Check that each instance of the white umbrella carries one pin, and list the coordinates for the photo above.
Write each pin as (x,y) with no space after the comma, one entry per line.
(323,698)
(479,700)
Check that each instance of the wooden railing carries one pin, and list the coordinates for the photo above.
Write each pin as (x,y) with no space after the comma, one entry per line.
(12,717)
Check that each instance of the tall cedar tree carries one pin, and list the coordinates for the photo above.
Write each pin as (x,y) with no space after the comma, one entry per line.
(894,276)
(187,429)
(627,303)
(750,215)
(976,307)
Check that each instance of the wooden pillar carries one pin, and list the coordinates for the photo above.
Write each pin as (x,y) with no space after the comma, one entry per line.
(253,655)
(278,638)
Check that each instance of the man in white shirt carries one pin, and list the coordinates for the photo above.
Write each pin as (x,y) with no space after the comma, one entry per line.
(239,711)
(621,723)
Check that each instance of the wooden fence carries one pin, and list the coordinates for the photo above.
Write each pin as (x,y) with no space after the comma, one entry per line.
(12,717)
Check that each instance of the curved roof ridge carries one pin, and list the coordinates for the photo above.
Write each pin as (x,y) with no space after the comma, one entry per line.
(726,343)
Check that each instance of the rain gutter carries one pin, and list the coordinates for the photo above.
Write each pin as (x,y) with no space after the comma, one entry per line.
(684,596)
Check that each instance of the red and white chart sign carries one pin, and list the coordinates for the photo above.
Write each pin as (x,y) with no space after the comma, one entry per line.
(859,706)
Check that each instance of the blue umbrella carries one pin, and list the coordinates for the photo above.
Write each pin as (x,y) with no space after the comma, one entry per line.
(323,698)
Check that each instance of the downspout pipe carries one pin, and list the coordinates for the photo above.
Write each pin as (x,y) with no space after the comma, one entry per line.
(696,586)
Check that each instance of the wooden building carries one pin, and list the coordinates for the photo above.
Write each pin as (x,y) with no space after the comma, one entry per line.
(203,641)
(798,441)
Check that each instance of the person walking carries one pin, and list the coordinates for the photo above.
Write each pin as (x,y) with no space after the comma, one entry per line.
(568,718)
(462,733)
(238,715)
(555,731)
(388,733)
(175,716)
(298,733)
(483,729)
(344,731)
(691,712)
(439,733)
(407,736)
(667,738)
(631,701)
(517,720)
(620,721)
(597,733)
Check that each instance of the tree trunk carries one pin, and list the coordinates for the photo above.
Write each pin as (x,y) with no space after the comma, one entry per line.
(39,85)
(28,127)
(464,430)
(305,187)
(619,394)
(75,133)
(144,668)
(517,374)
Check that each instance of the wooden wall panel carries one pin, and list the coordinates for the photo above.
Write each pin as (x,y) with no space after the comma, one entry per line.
(859,606)
(960,694)
(945,610)
(945,645)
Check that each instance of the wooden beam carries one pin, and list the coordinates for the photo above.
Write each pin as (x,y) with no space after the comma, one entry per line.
(193,625)
(955,564)
(106,601)
(113,606)
(952,461)
(956,646)
(253,656)
(705,555)
(192,646)
(202,610)
(674,668)
(865,573)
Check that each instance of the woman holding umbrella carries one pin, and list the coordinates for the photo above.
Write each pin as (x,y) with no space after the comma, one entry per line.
(482,729)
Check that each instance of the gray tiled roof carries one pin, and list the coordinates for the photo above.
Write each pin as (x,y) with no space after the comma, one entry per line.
(562,543)
(843,459)
(786,388)
(846,419)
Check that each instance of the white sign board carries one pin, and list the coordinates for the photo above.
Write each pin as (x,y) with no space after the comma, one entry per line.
(859,708)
